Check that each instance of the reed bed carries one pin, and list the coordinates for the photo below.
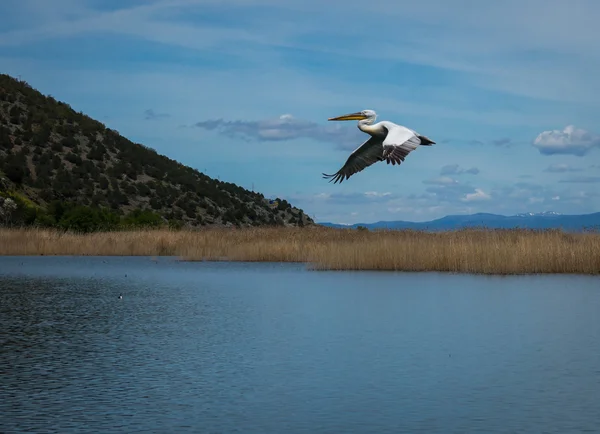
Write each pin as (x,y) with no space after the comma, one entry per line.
(479,251)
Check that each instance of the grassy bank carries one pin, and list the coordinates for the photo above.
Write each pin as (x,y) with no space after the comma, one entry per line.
(469,251)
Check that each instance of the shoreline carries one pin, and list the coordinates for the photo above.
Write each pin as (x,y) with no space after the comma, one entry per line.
(471,251)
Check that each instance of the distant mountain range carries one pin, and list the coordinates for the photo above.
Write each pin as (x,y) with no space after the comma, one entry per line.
(544,220)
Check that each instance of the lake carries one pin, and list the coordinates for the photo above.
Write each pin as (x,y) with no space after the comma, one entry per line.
(269,348)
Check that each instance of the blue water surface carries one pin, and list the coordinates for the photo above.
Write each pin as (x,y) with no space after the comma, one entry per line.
(275,348)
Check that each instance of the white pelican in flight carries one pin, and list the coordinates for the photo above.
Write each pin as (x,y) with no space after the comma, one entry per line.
(388,141)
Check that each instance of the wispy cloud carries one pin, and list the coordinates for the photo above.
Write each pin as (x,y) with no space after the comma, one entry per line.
(522,195)
(570,140)
(442,180)
(581,179)
(475,142)
(351,198)
(500,143)
(455,169)
(492,60)
(285,127)
(505,142)
(377,194)
(449,193)
(561,168)
(150,114)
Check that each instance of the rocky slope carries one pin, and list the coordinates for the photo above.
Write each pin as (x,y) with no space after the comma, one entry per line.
(52,156)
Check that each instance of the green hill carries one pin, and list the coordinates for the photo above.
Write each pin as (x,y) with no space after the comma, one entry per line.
(61,168)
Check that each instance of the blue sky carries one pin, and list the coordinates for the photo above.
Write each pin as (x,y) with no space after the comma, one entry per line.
(242,90)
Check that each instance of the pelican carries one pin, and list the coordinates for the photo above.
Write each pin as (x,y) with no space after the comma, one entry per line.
(388,141)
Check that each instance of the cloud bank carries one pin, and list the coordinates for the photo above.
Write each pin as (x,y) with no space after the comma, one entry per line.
(286,127)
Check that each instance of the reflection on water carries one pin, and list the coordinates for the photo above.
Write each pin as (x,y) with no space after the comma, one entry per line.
(232,347)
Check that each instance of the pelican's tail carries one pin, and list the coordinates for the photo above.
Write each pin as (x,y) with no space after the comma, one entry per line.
(426,141)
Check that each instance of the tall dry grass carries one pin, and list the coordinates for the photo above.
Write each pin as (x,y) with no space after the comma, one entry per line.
(468,251)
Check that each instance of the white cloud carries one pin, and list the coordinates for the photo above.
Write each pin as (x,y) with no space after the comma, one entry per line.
(477,196)
(570,140)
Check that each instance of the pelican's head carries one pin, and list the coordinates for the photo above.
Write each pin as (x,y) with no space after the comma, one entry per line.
(364,115)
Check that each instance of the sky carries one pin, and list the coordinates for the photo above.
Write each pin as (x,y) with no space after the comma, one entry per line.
(242,90)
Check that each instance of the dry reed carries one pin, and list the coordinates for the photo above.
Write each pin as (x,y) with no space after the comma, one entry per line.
(468,251)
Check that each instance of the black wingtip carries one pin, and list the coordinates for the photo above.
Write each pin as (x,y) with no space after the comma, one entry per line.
(426,141)
(336,177)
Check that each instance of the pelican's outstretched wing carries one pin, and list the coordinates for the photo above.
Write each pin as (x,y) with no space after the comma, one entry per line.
(401,141)
(371,151)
